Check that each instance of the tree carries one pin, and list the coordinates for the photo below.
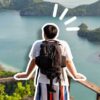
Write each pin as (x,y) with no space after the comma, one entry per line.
(23,91)
(2,88)
(20,89)
(83,26)
(2,92)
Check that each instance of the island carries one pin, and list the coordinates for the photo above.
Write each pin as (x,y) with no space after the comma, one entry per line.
(41,9)
(91,35)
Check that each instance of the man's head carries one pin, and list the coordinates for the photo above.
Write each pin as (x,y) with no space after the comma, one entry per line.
(50,31)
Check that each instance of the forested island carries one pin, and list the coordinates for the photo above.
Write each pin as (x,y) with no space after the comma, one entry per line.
(41,8)
(91,35)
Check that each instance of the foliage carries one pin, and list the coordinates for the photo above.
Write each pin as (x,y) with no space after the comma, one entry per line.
(24,91)
(83,26)
(91,35)
(20,89)
(2,88)
(6,74)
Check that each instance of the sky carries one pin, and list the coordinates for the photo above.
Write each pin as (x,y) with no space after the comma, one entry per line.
(72,3)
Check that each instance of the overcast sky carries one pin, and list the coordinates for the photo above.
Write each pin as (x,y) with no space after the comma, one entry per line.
(72,3)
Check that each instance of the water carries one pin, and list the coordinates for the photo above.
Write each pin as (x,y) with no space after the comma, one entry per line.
(17,35)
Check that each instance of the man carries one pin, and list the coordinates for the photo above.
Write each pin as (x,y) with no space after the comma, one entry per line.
(50,32)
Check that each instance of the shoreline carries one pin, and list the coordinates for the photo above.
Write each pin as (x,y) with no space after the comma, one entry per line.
(6,67)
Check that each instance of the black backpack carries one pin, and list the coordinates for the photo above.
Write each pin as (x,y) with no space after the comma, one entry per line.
(50,61)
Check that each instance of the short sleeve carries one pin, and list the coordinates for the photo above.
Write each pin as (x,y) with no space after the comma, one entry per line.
(34,50)
(67,51)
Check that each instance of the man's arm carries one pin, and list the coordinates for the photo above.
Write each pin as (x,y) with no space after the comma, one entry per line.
(71,68)
(73,72)
(26,75)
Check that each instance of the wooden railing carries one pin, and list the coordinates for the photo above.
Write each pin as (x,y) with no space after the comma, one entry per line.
(86,83)
(90,86)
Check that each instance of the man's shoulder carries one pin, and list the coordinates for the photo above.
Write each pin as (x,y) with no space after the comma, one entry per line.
(37,42)
(63,42)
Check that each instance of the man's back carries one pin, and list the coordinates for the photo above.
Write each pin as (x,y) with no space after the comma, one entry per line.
(65,50)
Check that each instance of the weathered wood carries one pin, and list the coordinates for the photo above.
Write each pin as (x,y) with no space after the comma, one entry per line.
(69,80)
(9,79)
(86,83)
(90,85)
(98,97)
(71,98)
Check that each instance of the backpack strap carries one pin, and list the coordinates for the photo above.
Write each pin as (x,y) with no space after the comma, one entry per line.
(51,86)
(37,75)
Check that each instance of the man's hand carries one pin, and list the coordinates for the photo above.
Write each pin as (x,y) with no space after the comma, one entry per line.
(21,76)
(73,72)
(79,77)
(26,75)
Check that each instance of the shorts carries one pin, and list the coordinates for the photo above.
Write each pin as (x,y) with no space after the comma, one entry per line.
(42,92)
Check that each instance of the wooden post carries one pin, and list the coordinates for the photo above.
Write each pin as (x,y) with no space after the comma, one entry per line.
(69,81)
(98,96)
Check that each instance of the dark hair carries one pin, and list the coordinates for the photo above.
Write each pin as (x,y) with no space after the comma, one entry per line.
(50,31)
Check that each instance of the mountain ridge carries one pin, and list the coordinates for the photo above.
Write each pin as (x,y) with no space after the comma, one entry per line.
(41,8)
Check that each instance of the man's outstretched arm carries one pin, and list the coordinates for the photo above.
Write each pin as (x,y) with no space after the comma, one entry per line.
(71,68)
(29,71)
(73,72)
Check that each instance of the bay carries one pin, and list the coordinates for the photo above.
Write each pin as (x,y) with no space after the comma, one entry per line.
(17,35)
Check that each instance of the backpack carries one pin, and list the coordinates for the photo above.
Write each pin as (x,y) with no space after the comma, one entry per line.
(50,61)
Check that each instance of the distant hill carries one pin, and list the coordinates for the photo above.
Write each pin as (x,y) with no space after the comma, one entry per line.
(4,3)
(86,10)
(41,9)
(20,4)
(0,5)
(45,8)
(17,4)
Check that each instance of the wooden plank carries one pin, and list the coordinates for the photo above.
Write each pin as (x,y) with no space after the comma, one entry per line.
(10,79)
(90,85)
(86,83)
(71,98)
